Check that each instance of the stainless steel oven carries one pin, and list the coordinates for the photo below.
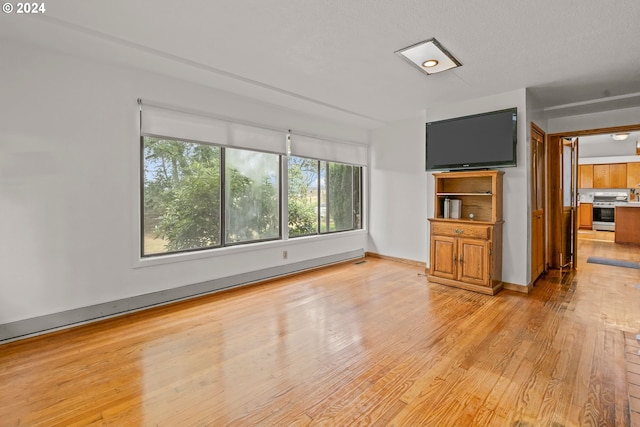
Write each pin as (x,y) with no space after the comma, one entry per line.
(604,217)
(604,209)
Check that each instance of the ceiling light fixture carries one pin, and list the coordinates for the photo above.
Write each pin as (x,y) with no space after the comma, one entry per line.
(429,56)
(620,136)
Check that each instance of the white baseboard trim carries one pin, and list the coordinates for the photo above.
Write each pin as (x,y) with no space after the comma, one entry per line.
(66,319)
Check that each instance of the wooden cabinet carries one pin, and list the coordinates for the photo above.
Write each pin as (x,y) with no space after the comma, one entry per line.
(612,175)
(627,220)
(600,176)
(466,252)
(585,216)
(633,175)
(585,176)
(618,175)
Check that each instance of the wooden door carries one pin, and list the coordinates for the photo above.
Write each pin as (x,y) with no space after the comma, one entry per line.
(443,257)
(618,175)
(538,202)
(585,220)
(569,228)
(633,175)
(474,261)
(585,179)
(601,176)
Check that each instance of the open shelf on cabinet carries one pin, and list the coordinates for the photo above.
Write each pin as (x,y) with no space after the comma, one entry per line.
(477,191)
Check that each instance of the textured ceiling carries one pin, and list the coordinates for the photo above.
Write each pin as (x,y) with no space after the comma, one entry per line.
(336,58)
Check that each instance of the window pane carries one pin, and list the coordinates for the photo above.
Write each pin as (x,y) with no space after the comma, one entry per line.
(340,200)
(252,195)
(303,196)
(181,196)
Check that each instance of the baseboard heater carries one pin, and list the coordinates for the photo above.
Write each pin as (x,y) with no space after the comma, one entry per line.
(66,319)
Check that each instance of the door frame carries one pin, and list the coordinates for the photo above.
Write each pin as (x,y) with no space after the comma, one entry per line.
(554,161)
(545,241)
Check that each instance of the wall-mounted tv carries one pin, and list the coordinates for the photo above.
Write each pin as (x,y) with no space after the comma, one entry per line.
(487,140)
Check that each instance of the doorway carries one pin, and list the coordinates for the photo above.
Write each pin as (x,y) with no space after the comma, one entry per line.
(562,203)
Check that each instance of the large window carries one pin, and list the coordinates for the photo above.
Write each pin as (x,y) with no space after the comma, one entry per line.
(252,196)
(324,197)
(209,183)
(183,194)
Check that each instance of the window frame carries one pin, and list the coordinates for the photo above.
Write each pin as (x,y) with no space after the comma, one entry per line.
(224,215)
(223,223)
(356,225)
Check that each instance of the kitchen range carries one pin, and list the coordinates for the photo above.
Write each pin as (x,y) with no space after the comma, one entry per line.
(604,207)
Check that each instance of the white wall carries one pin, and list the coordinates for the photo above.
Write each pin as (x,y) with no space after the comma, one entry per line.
(402,192)
(595,154)
(604,119)
(607,147)
(515,242)
(69,184)
(535,114)
(398,203)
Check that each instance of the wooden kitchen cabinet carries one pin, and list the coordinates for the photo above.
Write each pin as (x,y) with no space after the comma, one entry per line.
(585,216)
(618,175)
(627,220)
(612,175)
(467,252)
(585,176)
(633,175)
(600,176)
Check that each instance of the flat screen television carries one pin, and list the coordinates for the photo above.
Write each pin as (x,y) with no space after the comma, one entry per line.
(479,141)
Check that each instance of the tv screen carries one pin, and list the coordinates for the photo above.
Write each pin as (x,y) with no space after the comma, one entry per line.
(479,141)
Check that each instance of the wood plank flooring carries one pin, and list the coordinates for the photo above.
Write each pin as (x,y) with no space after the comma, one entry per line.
(606,236)
(356,344)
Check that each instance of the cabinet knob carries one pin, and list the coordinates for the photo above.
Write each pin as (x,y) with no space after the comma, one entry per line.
(458,231)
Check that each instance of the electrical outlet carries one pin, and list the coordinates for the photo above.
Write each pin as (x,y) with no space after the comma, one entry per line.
(285,254)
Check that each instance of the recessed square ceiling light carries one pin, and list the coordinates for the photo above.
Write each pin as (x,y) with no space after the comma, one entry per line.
(429,56)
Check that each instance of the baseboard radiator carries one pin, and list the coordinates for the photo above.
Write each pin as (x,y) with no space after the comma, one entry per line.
(66,319)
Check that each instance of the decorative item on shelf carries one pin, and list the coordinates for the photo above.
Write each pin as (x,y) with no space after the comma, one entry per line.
(447,208)
(456,208)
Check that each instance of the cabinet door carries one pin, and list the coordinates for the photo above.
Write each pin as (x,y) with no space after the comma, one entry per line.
(633,175)
(443,257)
(585,216)
(601,176)
(618,175)
(474,265)
(585,176)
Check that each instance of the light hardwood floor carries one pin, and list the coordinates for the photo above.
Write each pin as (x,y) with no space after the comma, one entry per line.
(355,344)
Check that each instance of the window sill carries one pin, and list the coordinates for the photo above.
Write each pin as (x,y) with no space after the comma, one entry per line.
(232,250)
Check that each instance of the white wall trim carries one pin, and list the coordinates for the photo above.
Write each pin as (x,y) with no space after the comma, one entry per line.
(75,317)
